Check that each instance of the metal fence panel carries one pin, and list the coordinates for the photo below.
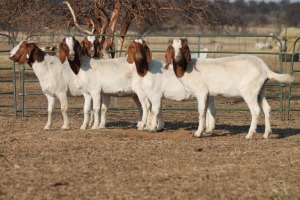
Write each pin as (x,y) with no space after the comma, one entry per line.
(217,45)
(8,88)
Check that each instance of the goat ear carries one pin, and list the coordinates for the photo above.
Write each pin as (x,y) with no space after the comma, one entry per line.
(147,51)
(83,49)
(168,56)
(187,54)
(98,48)
(26,55)
(129,54)
(100,54)
(78,49)
(61,54)
(148,54)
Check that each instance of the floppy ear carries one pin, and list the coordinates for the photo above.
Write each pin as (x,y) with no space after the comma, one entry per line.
(83,47)
(26,54)
(168,56)
(187,52)
(77,48)
(98,48)
(129,54)
(148,54)
(62,55)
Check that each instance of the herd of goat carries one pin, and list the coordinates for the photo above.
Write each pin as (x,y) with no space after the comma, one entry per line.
(79,69)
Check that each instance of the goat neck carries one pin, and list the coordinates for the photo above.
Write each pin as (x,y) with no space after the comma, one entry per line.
(139,53)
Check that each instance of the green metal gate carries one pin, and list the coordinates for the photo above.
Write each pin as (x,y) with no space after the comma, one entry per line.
(233,44)
(294,88)
(8,89)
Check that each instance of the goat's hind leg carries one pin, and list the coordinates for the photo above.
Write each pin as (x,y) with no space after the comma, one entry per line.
(104,108)
(252,102)
(265,107)
(210,115)
(96,108)
(86,110)
(202,108)
(64,108)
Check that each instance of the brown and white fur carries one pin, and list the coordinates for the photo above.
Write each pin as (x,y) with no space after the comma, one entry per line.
(97,78)
(155,82)
(236,76)
(56,78)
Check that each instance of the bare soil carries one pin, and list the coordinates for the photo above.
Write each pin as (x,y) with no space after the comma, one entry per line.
(122,163)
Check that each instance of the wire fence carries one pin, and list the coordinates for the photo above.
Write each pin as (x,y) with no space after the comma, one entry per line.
(279,95)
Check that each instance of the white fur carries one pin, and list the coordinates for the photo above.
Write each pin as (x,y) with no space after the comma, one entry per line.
(238,76)
(162,83)
(56,79)
(105,77)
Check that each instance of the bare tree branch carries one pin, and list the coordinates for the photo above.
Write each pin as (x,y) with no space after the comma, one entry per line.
(76,23)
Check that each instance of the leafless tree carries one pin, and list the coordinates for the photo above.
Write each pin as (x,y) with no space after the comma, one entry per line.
(107,16)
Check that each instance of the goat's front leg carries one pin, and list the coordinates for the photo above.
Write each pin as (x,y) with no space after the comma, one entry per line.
(202,112)
(155,109)
(51,101)
(104,108)
(91,115)
(64,107)
(210,115)
(139,107)
(160,121)
(145,108)
(96,108)
(86,110)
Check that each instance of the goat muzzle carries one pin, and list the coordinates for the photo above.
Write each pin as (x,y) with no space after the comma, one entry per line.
(71,57)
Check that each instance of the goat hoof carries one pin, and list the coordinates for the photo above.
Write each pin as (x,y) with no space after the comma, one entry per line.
(248,137)
(94,127)
(83,127)
(152,130)
(46,128)
(266,136)
(101,127)
(160,130)
(64,129)
(197,135)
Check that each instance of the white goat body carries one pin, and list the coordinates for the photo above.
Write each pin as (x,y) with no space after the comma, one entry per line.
(237,76)
(162,83)
(156,83)
(98,77)
(55,78)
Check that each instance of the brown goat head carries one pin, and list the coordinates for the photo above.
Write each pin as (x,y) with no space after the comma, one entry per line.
(91,46)
(69,48)
(139,52)
(26,52)
(179,53)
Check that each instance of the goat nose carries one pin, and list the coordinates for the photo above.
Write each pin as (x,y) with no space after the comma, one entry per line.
(71,56)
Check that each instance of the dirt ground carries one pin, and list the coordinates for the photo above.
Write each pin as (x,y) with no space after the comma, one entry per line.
(122,163)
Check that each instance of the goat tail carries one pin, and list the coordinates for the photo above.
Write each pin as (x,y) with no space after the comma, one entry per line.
(286,78)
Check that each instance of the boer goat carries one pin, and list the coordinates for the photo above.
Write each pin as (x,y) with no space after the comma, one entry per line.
(155,82)
(56,79)
(98,77)
(237,76)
